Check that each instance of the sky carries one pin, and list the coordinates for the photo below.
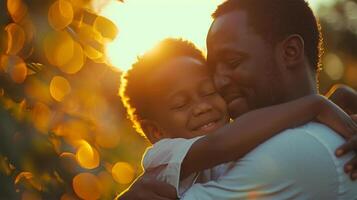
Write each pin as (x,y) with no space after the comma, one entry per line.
(143,23)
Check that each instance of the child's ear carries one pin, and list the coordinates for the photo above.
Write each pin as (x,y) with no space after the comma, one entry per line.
(151,130)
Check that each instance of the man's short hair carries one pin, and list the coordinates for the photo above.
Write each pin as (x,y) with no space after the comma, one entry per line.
(276,19)
(134,89)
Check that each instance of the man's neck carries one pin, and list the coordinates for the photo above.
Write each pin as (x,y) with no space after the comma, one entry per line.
(304,84)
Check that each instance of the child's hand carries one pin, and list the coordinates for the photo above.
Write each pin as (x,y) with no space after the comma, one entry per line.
(350,145)
(334,117)
(346,126)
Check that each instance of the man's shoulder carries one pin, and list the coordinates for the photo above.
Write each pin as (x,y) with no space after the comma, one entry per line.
(318,132)
(310,137)
(302,156)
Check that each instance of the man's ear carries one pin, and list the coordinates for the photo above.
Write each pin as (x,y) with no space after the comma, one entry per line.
(151,130)
(292,51)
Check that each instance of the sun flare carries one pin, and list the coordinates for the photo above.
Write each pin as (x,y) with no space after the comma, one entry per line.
(143,23)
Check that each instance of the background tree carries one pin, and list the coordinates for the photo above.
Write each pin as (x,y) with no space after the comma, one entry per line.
(64,133)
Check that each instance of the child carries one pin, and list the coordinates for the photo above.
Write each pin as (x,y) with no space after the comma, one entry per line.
(171,99)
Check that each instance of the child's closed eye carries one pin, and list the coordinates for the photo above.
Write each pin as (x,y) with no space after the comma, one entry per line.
(179,105)
(209,93)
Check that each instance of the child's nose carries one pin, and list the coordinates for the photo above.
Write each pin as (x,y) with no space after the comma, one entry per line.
(202,108)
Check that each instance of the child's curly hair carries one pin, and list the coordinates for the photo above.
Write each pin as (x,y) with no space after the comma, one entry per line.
(134,88)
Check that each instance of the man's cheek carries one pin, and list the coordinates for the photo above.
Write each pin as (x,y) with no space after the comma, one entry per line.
(238,107)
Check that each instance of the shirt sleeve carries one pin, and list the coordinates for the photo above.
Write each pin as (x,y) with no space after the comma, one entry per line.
(291,165)
(165,158)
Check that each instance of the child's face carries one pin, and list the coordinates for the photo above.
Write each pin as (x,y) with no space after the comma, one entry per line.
(185,102)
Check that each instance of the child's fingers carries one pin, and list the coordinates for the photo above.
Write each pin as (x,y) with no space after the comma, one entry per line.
(351,166)
(349,146)
(354,117)
(354,175)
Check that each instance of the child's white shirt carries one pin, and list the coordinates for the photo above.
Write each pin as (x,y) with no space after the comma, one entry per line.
(164,160)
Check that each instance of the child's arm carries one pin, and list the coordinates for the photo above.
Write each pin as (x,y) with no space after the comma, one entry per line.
(236,139)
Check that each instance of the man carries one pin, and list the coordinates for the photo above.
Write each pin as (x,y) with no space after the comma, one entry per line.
(265,52)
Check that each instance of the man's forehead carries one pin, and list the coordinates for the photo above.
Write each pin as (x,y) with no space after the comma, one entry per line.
(227,27)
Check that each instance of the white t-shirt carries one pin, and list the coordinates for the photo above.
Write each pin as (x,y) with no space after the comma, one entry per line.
(298,163)
(164,160)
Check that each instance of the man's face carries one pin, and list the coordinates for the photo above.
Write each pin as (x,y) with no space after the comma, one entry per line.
(184,101)
(243,63)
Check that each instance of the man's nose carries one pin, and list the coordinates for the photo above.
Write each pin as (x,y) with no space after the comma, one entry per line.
(222,77)
(201,108)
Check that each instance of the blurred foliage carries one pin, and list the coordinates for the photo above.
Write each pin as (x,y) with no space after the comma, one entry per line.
(339,26)
(63,129)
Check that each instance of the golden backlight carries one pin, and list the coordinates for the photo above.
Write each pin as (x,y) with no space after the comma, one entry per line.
(143,23)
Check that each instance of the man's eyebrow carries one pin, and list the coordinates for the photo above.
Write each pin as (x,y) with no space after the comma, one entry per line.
(227,51)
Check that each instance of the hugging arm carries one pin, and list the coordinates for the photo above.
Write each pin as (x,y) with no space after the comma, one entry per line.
(346,97)
(284,167)
(238,138)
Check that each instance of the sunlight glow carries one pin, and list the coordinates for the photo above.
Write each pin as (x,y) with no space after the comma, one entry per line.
(316,3)
(142,24)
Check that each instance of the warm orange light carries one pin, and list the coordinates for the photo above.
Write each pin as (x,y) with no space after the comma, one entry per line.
(87,186)
(29,28)
(87,156)
(5,166)
(92,53)
(60,14)
(27,195)
(76,62)
(59,48)
(63,52)
(351,74)
(2,92)
(107,138)
(123,172)
(59,88)
(4,59)
(15,67)
(28,178)
(25,175)
(92,41)
(73,131)
(15,38)
(41,116)
(106,181)
(17,9)
(333,66)
(68,197)
(68,161)
(18,72)
(38,90)
(143,23)
(253,195)
(105,27)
